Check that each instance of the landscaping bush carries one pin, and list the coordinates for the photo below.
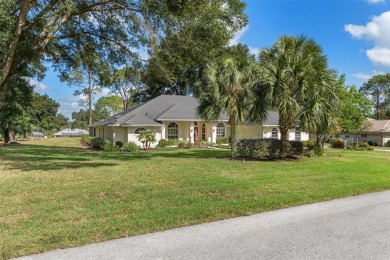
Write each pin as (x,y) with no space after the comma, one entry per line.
(297,147)
(188,145)
(182,145)
(332,140)
(119,144)
(162,143)
(86,139)
(131,147)
(363,146)
(109,147)
(97,142)
(261,148)
(373,143)
(338,143)
(223,140)
(172,142)
(388,143)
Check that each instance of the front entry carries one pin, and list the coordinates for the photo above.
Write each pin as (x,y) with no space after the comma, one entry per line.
(196,134)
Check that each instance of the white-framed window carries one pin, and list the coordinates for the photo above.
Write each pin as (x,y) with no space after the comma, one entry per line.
(173,131)
(297,135)
(220,130)
(203,132)
(364,135)
(274,133)
(138,130)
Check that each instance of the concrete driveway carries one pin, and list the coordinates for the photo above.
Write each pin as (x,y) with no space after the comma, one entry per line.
(351,228)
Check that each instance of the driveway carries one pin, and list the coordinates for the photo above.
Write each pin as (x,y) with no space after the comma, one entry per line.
(351,228)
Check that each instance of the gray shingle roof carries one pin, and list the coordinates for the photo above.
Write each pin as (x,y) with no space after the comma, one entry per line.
(162,108)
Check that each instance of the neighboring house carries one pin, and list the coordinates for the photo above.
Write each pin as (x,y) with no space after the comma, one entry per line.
(37,134)
(176,117)
(377,131)
(71,132)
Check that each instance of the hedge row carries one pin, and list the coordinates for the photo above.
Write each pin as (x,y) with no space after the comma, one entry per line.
(267,148)
(102,144)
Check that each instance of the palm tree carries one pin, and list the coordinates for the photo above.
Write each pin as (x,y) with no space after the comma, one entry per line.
(227,88)
(296,82)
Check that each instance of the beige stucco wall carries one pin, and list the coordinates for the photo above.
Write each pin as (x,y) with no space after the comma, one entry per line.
(133,137)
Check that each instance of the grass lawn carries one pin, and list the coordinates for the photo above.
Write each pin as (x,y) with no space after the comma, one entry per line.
(56,194)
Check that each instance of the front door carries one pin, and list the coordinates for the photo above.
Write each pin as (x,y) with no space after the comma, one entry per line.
(196,134)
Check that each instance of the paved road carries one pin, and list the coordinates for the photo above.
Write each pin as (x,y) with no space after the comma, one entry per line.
(352,228)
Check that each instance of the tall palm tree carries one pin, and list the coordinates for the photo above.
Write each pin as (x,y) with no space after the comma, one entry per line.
(296,82)
(227,88)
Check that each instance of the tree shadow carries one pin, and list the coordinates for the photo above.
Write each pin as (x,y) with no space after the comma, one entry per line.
(28,157)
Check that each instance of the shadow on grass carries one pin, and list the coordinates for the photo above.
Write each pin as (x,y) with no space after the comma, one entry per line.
(28,157)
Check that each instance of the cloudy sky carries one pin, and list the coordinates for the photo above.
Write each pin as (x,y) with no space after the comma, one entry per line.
(354,34)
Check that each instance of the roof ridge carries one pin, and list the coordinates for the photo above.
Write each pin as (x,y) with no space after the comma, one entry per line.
(164,112)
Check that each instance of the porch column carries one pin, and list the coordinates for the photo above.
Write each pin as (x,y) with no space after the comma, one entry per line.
(191,132)
(214,133)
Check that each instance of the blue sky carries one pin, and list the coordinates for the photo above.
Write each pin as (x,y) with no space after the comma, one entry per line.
(354,34)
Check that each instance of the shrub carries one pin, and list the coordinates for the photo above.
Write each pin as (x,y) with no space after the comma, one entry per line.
(338,144)
(202,144)
(97,142)
(162,143)
(297,147)
(262,148)
(223,140)
(388,143)
(131,147)
(172,142)
(318,151)
(86,139)
(188,145)
(332,140)
(182,145)
(109,147)
(119,144)
(373,143)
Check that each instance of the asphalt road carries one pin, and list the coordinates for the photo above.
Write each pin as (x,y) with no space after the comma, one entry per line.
(351,228)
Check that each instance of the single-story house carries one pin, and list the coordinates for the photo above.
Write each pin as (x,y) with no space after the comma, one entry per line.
(376,131)
(37,134)
(71,132)
(176,117)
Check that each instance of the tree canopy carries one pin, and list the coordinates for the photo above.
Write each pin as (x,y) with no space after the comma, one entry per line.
(377,90)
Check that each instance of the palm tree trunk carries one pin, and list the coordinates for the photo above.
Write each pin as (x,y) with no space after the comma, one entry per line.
(233,137)
(283,138)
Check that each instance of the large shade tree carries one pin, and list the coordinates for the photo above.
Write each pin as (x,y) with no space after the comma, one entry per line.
(377,90)
(295,81)
(227,87)
(37,31)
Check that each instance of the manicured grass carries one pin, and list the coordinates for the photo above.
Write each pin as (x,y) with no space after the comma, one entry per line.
(56,194)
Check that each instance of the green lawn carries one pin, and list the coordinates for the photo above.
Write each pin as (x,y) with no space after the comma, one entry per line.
(56,194)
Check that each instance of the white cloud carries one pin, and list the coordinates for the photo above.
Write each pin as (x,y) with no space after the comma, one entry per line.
(237,37)
(376,1)
(380,56)
(69,104)
(367,76)
(37,85)
(254,51)
(377,31)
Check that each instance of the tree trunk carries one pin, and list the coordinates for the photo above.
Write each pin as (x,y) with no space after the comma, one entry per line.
(8,135)
(89,99)
(14,44)
(283,138)
(233,137)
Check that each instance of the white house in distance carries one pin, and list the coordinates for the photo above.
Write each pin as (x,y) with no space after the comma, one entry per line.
(69,132)
(175,117)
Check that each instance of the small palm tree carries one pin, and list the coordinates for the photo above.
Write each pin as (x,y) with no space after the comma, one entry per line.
(227,88)
(147,137)
(296,82)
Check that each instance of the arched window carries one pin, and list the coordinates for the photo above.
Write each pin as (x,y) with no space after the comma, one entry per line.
(203,132)
(173,131)
(297,135)
(274,133)
(220,130)
(138,130)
